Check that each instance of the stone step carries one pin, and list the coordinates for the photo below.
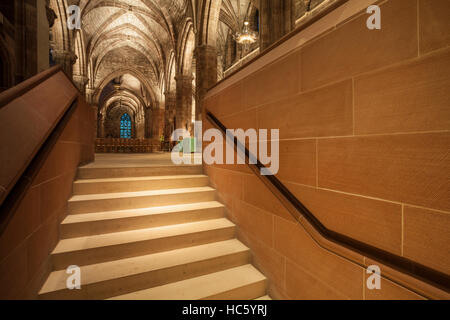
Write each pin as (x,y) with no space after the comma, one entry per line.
(240,283)
(139,199)
(119,277)
(114,246)
(93,172)
(86,224)
(112,185)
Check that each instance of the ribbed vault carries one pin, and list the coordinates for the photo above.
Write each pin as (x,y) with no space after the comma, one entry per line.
(157,43)
(130,34)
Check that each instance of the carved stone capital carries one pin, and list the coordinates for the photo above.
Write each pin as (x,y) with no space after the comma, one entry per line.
(184,78)
(64,56)
(80,79)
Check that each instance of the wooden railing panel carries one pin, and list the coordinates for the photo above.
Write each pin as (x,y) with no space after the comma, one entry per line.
(118,145)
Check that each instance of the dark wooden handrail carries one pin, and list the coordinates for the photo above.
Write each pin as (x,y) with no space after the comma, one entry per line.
(419,271)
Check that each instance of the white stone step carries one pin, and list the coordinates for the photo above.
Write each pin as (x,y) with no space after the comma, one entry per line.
(114,246)
(78,225)
(93,172)
(139,199)
(111,185)
(114,278)
(240,283)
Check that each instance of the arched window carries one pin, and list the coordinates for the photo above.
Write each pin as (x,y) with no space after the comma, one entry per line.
(125,126)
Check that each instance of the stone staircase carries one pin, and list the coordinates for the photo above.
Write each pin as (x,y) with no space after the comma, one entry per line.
(153,232)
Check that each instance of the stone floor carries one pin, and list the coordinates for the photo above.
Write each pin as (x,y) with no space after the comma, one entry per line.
(105,160)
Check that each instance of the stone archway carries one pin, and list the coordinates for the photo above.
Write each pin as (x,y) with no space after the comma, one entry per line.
(119,72)
(112,121)
(126,89)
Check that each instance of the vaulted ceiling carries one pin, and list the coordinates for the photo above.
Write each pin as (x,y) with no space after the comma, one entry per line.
(130,34)
(145,38)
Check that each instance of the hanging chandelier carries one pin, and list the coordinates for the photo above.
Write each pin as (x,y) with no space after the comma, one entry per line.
(247,36)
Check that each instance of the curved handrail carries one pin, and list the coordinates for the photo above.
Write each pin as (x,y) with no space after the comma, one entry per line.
(298,210)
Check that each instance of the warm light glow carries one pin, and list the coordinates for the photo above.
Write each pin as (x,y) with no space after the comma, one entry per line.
(247,36)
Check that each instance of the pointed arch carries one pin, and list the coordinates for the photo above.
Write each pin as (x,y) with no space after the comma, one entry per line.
(207,22)
(186,47)
(116,73)
(125,126)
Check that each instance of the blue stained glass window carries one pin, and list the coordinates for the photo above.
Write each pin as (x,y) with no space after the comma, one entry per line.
(125,126)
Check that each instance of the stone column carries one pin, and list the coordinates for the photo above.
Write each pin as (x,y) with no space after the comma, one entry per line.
(170,113)
(206,75)
(67,59)
(157,123)
(96,125)
(220,73)
(277,19)
(100,124)
(89,94)
(184,101)
(148,121)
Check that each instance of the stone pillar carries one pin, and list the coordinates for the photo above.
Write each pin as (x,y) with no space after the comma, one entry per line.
(206,74)
(96,125)
(157,123)
(184,101)
(67,59)
(277,19)
(89,94)
(100,124)
(170,113)
(148,121)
